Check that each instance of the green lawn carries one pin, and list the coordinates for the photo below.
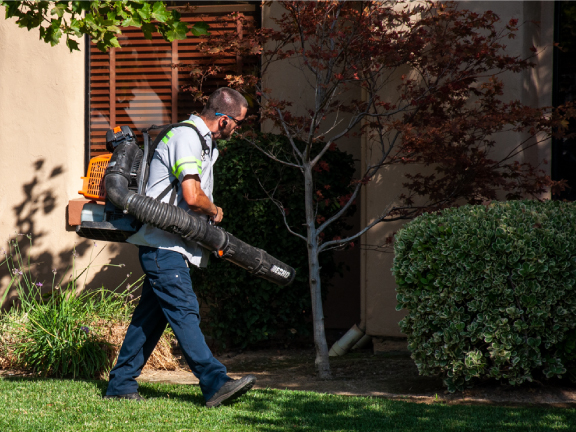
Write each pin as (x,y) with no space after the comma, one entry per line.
(65,405)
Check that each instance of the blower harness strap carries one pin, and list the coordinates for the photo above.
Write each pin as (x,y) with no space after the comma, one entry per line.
(165,136)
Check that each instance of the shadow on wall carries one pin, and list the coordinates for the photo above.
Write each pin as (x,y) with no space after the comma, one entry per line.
(49,252)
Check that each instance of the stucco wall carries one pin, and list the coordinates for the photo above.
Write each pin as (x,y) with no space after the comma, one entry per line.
(533,87)
(42,158)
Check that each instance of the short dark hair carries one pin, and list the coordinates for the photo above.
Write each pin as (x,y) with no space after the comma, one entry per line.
(226,101)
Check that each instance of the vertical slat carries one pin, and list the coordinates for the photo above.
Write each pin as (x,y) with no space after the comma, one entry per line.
(87,107)
(175,84)
(112,87)
(240,36)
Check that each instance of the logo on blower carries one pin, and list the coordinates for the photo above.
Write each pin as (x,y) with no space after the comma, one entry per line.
(279,271)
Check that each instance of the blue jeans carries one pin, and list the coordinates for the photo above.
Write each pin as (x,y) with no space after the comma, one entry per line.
(167,297)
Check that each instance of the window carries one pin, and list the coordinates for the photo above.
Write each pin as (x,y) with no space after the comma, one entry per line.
(564,90)
(136,85)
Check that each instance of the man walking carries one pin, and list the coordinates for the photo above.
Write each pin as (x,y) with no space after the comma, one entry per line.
(180,174)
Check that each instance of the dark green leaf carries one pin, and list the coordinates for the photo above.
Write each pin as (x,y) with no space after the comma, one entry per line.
(72,44)
(200,29)
(11,8)
(148,29)
(58,9)
(178,32)
(145,11)
(159,12)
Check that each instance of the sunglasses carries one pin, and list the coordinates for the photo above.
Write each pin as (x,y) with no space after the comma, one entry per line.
(238,122)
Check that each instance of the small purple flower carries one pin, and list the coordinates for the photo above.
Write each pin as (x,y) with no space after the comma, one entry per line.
(39,284)
(3,251)
(54,271)
(16,271)
(75,254)
(85,329)
(121,265)
(95,245)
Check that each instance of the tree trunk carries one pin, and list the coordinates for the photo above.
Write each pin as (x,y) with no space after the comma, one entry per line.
(322,362)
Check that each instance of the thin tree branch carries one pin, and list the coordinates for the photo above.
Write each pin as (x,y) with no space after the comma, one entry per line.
(282,211)
(271,156)
(359,233)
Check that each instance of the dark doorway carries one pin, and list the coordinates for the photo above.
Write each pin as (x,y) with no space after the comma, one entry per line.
(564,90)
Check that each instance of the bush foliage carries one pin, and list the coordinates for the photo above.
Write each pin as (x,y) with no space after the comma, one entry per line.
(490,291)
(243,309)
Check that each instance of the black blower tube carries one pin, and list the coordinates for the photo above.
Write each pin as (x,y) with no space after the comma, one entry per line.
(190,226)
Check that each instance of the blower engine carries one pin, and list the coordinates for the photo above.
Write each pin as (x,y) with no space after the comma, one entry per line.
(120,178)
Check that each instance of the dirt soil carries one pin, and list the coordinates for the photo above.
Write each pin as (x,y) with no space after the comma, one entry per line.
(390,373)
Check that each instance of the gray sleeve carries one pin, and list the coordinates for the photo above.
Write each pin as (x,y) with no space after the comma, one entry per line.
(184,153)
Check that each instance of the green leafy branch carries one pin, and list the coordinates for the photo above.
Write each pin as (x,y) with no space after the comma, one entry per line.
(102,20)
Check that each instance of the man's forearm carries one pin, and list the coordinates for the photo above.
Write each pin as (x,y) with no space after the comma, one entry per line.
(202,204)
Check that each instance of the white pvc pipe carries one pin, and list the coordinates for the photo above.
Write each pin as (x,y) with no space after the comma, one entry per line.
(346,342)
(365,340)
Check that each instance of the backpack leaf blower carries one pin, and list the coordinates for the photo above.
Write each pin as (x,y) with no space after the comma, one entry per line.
(127,207)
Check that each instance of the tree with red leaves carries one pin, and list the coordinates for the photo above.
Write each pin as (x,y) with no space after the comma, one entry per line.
(430,93)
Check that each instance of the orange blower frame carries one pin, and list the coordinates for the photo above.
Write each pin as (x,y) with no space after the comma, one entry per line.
(93,187)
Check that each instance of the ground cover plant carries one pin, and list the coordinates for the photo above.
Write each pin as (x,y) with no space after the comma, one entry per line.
(66,405)
(490,291)
(63,329)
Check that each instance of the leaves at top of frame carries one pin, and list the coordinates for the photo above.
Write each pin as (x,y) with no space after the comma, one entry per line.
(101,20)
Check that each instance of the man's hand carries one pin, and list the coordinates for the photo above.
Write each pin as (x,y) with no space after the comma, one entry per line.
(217,218)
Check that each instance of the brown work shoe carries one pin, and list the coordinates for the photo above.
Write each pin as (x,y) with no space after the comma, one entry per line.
(231,390)
(131,396)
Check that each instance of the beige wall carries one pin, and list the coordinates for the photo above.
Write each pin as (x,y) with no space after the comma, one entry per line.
(532,88)
(42,157)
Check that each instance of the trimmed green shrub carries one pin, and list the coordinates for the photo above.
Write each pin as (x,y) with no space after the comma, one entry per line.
(490,291)
(243,309)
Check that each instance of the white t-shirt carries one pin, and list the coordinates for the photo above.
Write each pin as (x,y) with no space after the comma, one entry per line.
(177,155)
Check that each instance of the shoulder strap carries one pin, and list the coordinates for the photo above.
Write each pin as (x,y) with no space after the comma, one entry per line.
(190,124)
(167,133)
(165,136)
(172,186)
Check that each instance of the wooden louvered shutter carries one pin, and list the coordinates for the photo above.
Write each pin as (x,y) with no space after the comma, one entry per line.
(136,85)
